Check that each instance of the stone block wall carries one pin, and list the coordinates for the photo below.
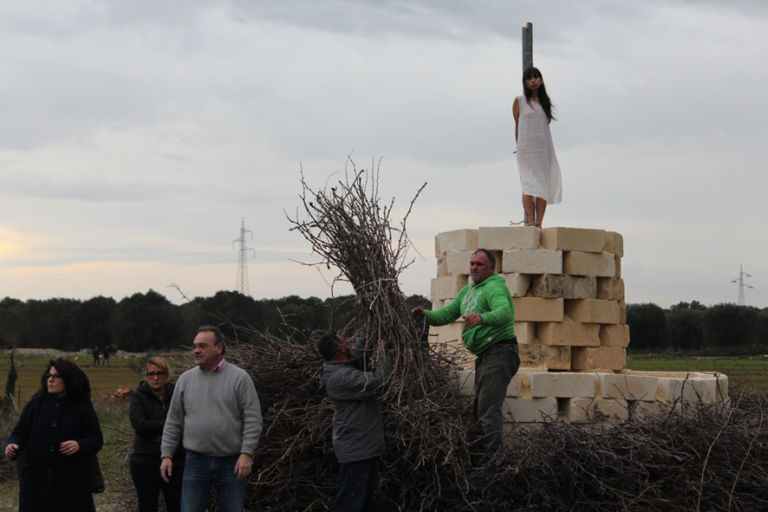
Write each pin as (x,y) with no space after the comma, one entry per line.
(535,396)
(566,284)
(571,326)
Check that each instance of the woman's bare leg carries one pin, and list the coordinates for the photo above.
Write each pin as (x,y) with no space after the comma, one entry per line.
(541,207)
(529,210)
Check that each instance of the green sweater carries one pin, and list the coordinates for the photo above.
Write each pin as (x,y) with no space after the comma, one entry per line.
(490,298)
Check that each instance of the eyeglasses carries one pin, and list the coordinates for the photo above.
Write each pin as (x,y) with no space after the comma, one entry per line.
(156,374)
(54,375)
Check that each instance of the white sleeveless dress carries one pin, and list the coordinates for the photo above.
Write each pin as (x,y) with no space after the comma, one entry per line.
(536,159)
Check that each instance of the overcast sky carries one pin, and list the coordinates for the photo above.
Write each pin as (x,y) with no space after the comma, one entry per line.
(135,135)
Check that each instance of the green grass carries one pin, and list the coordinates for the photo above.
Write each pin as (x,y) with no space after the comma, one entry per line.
(747,374)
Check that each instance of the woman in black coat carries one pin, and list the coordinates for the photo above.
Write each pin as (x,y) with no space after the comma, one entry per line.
(149,405)
(57,433)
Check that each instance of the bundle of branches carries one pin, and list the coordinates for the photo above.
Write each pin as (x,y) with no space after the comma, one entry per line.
(295,466)
(352,232)
(713,459)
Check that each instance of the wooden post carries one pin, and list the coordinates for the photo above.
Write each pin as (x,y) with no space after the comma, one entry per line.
(527,63)
(527,46)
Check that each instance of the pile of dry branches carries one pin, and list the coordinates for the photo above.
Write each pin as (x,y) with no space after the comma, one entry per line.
(712,461)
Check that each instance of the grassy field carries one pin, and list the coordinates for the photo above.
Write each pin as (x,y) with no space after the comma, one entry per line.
(745,374)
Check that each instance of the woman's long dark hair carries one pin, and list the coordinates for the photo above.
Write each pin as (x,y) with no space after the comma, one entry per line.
(544,101)
(75,380)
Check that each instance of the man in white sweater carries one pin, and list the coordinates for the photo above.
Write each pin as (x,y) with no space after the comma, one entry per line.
(215,414)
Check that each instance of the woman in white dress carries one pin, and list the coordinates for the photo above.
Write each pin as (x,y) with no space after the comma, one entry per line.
(536,160)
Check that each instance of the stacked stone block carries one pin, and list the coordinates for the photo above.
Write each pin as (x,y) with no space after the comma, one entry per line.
(566,285)
(570,321)
(536,396)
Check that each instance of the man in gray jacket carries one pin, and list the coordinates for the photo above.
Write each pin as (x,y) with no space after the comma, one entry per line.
(358,431)
(215,414)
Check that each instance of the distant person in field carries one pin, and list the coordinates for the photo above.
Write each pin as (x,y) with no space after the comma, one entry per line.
(488,312)
(95,356)
(536,160)
(215,415)
(107,349)
(149,406)
(56,435)
(358,429)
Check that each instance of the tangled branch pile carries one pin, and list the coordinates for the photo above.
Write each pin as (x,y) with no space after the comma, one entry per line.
(711,461)
(351,231)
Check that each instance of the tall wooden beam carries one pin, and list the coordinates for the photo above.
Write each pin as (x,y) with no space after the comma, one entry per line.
(527,46)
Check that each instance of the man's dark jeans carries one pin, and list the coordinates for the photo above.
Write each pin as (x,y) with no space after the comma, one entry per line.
(494,368)
(358,486)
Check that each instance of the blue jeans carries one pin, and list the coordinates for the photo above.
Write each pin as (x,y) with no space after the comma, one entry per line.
(494,368)
(202,471)
(358,486)
(149,483)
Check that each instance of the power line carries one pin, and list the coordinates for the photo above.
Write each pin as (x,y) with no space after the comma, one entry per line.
(740,282)
(242,261)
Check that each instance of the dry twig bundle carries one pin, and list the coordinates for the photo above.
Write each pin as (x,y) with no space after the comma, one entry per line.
(346,225)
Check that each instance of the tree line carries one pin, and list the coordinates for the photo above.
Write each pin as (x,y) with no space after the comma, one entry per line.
(148,321)
(690,326)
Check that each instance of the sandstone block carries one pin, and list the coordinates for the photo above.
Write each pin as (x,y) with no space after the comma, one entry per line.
(446,333)
(610,288)
(447,287)
(525,332)
(534,309)
(545,357)
(618,267)
(598,358)
(508,237)
(580,263)
(573,239)
(442,266)
(587,410)
(648,410)
(515,385)
(518,284)
(628,387)
(440,303)
(465,381)
(622,312)
(525,410)
(525,261)
(567,287)
(593,311)
(457,262)
(614,335)
(457,240)
(614,243)
(562,384)
(692,390)
(568,333)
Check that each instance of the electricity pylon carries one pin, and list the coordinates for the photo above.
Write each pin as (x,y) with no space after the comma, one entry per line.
(740,281)
(242,262)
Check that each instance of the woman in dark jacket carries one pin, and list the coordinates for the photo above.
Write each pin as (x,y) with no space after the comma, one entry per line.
(57,433)
(149,405)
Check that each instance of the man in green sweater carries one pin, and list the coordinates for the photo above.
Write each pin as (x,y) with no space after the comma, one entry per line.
(486,307)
